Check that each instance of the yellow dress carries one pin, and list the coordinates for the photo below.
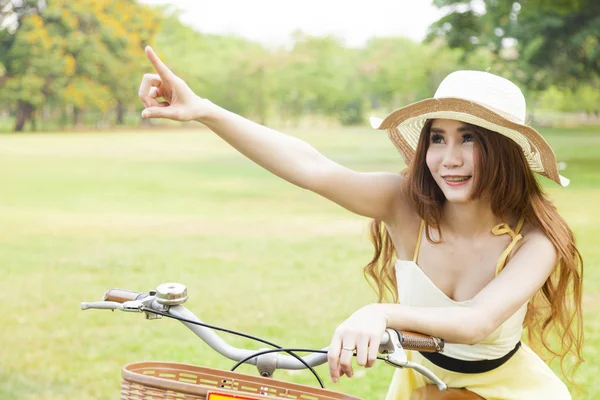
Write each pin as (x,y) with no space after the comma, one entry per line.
(523,376)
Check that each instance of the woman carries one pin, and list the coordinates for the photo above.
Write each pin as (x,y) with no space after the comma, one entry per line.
(497,255)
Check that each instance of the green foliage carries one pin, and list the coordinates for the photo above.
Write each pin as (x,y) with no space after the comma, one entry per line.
(61,60)
(216,67)
(83,54)
(353,113)
(563,43)
(34,64)
(584,98)
(316,75)
(322,76)
(547,42)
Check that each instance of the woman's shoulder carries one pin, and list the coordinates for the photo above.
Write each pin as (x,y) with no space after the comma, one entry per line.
(535,238)
(532,232)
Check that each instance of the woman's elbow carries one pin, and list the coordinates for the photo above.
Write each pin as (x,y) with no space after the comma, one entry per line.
(477,334)
(478,327)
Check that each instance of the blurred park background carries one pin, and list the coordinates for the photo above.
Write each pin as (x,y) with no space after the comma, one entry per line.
(92,197)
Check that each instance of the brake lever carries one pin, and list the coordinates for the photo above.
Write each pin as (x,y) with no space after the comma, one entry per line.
(396,357)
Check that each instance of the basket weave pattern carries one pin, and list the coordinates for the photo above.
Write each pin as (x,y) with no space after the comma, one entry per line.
(176,381)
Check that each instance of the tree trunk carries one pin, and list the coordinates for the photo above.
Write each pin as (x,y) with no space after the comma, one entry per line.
(24,112)
(64,117)
(77,117)
(120,113)
(33,124)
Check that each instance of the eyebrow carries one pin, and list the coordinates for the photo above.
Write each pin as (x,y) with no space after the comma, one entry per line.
(461,128)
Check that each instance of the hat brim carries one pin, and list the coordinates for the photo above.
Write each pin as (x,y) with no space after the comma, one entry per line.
(404,127)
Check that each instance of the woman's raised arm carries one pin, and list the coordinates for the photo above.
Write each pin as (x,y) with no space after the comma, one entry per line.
(375,195)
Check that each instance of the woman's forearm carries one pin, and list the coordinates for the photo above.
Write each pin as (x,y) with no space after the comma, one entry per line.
(453,324)
(285,156)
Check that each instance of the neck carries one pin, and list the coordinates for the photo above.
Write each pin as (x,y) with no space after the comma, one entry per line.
(469,219)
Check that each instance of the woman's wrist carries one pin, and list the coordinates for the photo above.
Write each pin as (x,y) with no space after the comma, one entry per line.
(379,310)
(207,111)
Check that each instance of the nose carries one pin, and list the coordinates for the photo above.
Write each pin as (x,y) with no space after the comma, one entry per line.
(453,157)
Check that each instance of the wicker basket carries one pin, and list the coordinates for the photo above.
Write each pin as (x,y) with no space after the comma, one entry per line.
(153,380)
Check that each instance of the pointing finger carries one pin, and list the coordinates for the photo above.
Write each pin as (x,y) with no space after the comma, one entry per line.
(158,65)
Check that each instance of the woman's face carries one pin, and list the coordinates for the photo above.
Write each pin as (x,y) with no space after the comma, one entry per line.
(450,158)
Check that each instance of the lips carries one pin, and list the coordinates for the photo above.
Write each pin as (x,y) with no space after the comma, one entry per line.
(456,180)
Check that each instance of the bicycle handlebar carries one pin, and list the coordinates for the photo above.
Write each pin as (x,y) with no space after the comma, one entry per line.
(121,295)
(408,340)
(169,297)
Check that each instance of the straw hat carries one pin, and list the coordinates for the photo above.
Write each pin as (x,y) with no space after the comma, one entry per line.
(477,98)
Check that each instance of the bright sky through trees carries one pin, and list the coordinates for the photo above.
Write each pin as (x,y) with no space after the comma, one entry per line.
(272,21)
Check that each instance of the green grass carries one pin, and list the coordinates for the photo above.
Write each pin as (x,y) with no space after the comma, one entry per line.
(81,213)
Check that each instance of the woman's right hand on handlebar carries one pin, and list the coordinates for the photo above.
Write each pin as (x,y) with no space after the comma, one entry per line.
(179,103)
(362,332)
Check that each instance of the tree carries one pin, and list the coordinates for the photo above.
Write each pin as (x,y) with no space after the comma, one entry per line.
(106,39)
(321,76)
(398,71)
(23,79)
(548,42)
(84,54)
(36,67)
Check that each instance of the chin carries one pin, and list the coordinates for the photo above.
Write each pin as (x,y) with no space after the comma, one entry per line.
(454,199)
(461,196)
(457,195)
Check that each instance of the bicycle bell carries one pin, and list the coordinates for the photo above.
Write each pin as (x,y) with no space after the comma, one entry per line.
(171,294)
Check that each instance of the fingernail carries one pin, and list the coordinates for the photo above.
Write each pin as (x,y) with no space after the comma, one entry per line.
(145,114)
(334,380)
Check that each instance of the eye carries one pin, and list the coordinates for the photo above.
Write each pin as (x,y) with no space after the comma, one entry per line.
(468,137)
(437,138)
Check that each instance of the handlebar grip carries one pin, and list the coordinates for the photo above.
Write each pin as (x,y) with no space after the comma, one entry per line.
(122,295)
(420,342)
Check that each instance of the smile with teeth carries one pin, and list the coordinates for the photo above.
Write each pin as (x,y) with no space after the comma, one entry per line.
(456,178)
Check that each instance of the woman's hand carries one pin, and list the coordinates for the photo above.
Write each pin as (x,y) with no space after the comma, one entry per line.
(179,103)
(361,332)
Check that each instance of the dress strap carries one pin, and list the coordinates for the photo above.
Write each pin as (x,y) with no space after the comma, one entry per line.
(418,241)
(501,229)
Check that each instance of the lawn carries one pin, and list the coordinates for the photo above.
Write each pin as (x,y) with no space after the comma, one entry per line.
(81,213)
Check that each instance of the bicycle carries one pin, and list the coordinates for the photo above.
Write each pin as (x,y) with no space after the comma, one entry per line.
(153,380)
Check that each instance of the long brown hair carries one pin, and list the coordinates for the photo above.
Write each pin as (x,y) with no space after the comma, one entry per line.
(500,163)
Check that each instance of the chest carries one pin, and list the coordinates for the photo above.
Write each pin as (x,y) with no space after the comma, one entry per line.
(460,268)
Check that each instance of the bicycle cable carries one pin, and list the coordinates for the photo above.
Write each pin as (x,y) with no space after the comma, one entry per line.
(244,335)
(287,350)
